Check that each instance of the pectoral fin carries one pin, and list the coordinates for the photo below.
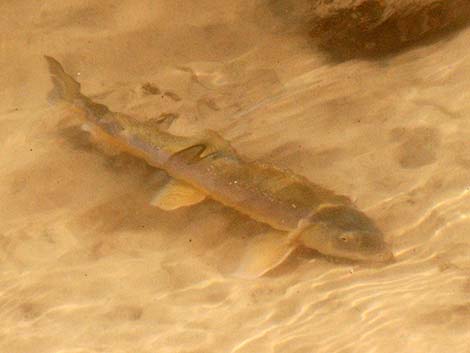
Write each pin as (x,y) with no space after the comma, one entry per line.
(264,252)
(176,194)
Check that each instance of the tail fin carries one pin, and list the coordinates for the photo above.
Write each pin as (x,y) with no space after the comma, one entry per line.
(65,87)
(68,90)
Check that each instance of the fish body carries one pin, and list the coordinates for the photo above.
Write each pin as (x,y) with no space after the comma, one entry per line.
(299,211)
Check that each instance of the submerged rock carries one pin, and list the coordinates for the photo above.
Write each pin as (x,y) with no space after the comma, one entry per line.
(378,27)
(351,28)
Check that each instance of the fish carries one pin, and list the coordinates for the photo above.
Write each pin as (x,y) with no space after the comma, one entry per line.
(297,211)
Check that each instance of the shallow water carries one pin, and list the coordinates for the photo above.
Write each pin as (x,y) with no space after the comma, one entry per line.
(89,266)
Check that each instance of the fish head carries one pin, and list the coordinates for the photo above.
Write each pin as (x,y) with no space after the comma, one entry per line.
(345,232)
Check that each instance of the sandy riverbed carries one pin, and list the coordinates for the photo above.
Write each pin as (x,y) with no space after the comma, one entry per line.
(89,266)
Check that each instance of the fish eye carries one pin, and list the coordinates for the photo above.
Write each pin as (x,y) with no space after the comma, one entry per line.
(346,238)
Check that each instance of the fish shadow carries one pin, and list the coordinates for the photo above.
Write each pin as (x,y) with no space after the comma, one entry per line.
(127,217)
(126,222)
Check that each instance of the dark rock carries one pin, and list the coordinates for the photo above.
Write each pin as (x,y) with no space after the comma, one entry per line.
(380,27)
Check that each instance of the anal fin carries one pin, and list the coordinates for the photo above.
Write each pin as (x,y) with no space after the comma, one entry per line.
(101,140)
(264,252)
(176,194)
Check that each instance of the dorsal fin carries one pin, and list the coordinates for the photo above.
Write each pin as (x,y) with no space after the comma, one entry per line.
(190,154)
(215,142)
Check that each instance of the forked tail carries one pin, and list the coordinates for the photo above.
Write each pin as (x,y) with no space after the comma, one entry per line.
(68,90)
(65,87)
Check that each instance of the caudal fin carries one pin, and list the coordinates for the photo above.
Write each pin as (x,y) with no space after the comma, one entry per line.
(65,87)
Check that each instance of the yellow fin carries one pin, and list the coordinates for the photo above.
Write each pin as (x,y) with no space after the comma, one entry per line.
(265,252)
(176,194)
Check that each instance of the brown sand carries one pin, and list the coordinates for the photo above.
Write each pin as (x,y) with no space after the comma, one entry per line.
(88,266)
